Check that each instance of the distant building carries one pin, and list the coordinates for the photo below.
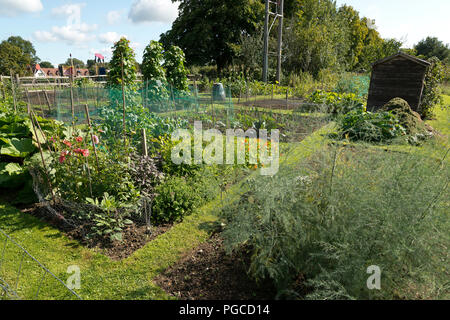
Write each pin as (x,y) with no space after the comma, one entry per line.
(39,72)
(51,72)
(76,72)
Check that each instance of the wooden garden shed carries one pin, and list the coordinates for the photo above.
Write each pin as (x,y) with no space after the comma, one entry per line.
(400,75)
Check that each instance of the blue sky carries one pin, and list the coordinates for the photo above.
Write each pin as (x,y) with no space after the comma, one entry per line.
(58,28)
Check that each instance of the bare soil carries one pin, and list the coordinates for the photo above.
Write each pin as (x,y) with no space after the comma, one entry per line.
(134,236)
(273,103)
(208,273)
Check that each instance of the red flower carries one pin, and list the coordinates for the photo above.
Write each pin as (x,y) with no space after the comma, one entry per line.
(67,143)
(79,139)
(62,158)
(84,152)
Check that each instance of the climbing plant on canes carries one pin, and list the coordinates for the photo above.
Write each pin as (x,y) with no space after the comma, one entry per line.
(152,68)
(176,73)
(154,73)
(122,53)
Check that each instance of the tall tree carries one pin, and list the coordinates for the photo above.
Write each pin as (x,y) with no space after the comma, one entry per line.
(12,58)
(206,29)
(77,63)
(433,47)
(46,64)
(356,31)
(26,47)
(314,38)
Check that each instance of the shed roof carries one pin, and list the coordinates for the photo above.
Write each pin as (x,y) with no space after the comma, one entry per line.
(403,55)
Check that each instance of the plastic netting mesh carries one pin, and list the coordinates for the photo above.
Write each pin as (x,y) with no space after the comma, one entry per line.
(163,100)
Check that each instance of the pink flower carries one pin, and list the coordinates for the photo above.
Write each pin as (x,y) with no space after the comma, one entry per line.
(62,159)
(95,139)
(67,143)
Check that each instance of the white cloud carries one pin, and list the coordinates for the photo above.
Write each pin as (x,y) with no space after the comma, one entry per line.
(114,17)
(110,37)
(153,11)
(45,36)
(74,32)
(14,7)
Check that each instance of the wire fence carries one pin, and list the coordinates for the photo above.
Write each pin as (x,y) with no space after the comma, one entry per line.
(23,277)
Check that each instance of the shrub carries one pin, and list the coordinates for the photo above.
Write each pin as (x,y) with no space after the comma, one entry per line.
(366,126)
(337,103)
(331,217)
(175,199)
(146,174)
(432,93)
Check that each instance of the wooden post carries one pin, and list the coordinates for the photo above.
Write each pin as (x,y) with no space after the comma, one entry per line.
(212,106)
(40,102)
(124,105)
(246,87)
(28,99)
(13,91)
(229,107)
(86,109)
(48,101)
(287,98)
(41,152)
(144,144)
(3,87)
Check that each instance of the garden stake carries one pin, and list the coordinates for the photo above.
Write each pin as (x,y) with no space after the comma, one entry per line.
(3,87)
(13,92)
(40,103)
(86,109)
(47,100)
(287,99)
(144,143)
(88,172)
(42,155)
(124,106)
